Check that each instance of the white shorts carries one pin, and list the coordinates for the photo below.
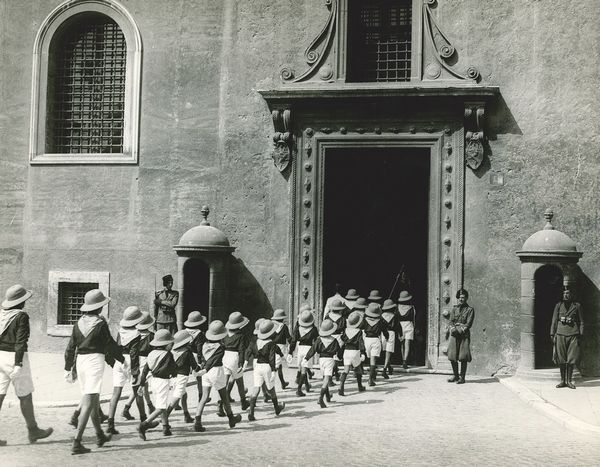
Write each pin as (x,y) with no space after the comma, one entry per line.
(215,378)
(352,358)
(231,364)
(143,361)
(119,375)
(90,371)
(327,364)
(372,346)
(278,359)
(408,330)
(160,392)
(179,385)
(389,345)
(302,351)
(263,374)
(23,383)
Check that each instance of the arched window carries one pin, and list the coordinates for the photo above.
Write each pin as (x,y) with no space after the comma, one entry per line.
(86,85)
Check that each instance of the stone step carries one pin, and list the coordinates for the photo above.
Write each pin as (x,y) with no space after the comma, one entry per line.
(545,374)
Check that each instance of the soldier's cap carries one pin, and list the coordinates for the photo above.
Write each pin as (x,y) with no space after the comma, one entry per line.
(167,278)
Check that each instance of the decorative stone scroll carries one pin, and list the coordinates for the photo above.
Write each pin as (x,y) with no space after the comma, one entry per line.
(474,135)
(283,138)
(444,50)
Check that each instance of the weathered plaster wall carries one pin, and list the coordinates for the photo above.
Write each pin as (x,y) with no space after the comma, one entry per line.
(205,139)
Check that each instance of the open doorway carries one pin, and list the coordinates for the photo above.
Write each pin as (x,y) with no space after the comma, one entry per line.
(375,225)
(196,287)
(548,292)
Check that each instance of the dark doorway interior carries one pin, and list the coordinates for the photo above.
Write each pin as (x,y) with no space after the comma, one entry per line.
(548,291)
(376,210)
(196,287)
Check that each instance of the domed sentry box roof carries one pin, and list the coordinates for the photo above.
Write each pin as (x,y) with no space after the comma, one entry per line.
(203,238)
(549,243)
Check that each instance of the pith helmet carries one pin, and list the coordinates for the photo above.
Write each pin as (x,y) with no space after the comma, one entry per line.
(404,296)
(375,296)
(352,294)
(354,320)
(162,337)
(194,320)
(181,338)
(216,331)
(236,321)
(361,304)
(131,316)
(146,323)
(389,304)
(337,305)
(266,329)
(327,328)
(373,310)
(15,295)
(93,300)
(259,321)
(279,315)
(306,319)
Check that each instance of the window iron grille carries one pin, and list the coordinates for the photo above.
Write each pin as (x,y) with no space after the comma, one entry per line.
(380,40)
(87,88)
(70,299)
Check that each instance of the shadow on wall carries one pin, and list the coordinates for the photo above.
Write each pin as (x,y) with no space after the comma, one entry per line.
(500,121)
(246,294)
(589,297)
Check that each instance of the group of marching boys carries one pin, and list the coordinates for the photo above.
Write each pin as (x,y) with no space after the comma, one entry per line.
(352,331)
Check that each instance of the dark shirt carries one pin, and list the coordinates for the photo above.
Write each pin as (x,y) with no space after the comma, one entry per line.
(324,350)
(98,340)
(198,342)
(164,367)
(236,343)
(409,316)
(392,320)
(266,354)
(214,359)
(307,339)
(375,329)
(185,361)
(355,342)
(283,336)
(145,348)
(15,337)
(133,350)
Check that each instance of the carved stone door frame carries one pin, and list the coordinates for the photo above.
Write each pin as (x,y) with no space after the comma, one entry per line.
(444,140)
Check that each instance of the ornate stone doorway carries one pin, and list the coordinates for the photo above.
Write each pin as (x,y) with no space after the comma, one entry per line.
(376,224)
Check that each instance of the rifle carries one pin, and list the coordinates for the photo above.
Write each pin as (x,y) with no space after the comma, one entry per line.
(396,282)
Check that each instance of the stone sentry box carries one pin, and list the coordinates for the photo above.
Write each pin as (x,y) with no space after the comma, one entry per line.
(210,246)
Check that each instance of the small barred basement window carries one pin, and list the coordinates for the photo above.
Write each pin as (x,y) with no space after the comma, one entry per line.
(379,40)
(86,88)
(70,299)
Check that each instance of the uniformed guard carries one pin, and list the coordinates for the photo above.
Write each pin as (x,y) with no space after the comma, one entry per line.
(165,302)
(566,332)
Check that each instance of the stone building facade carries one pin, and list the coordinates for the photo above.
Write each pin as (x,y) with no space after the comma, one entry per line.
(322,159)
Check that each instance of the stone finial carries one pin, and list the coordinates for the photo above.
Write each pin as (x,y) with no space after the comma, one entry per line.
(548,215)
(205,212)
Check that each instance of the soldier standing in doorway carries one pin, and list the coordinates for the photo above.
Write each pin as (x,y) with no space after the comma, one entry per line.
(165,302)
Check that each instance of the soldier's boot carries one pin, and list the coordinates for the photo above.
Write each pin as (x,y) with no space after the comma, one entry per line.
(384,373)
(306,382)
(298,377)
(276,405)
(300,382)
(455,377)
(342,383)
(284,383)
(126,414)
(251,417)
(463,372)
(102,439)
(563,377)
(221,412)
(327,394)
(570,368)
(198,425)
(79,448)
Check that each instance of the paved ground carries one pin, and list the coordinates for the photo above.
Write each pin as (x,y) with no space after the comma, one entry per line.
(410,419)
